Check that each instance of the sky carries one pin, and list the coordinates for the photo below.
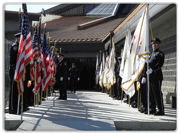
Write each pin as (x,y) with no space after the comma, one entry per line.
(31,7)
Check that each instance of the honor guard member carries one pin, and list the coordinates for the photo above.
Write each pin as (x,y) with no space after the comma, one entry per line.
(143,89)
(73,77)
(62,77)
(119,90)
(13,95)
(156,61)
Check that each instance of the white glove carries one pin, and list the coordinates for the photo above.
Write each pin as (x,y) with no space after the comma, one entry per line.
(143,81)
(61,78)
(149,71)
(78,79)
(147,59)
(68,78)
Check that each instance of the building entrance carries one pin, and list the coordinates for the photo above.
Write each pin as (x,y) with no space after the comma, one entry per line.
(86,68)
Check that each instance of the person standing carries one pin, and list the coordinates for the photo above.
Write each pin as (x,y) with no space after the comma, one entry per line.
(74,77)
(62,77)
(143,89)
(119,90)
(13,94)
(156,61)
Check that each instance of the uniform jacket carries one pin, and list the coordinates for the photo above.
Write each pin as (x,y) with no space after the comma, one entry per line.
(156,61)
(13,57)
(73,72)
(62,71)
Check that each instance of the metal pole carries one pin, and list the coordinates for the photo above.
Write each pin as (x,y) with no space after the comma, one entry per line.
(34,100)
(138,100)
(121,95)
(21,106)
(148,81)
(12,93)
(148,60)
(35,83)
(18,103)
(47,93)
(41,95)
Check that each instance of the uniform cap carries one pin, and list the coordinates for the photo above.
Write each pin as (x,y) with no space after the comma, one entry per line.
(119,58)
(156,41)
(17,35)
(60,55)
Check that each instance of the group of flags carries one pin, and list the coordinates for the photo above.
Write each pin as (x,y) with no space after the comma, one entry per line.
(133,60)
(106,75)
(36,53)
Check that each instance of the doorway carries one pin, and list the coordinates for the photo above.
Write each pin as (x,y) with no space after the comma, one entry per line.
(86,68)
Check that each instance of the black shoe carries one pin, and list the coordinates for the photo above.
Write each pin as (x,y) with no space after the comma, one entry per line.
(25,109)
(43,99)
(134,105)
(142,110)
(125,101)
(118,98)
(59,98)
(159,113)
(64,99)
(152,111)
(12,112)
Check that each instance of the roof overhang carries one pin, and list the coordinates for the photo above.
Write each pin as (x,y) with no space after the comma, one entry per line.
(132,20)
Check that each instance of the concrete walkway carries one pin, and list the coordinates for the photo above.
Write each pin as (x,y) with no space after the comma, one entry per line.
(90,111)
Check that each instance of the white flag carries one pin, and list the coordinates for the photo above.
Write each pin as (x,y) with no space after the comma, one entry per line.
(124,55)
(136,55)
(112,61)
(97,71)
(101,73)
(106,70)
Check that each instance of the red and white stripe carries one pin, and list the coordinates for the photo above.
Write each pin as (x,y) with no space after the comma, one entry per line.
(46,72)
(23,58)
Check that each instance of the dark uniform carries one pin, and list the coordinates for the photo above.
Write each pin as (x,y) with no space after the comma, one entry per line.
(156,61)
(13,95)
(143,89)
(118,79)
(62,78)
(74,75)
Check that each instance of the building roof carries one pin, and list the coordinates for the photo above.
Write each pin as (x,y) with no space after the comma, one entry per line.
(61,8)
(104,10)
(15,15)
(65,29)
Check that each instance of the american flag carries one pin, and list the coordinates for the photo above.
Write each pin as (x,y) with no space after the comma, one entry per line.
(25,54)
(35,53)
(35,45)
(36,69)
(53,69)
(46,65)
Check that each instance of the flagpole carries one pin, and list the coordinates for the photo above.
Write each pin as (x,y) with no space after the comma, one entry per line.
(148,60)
(20,19)
(18,103)
(111,46)
(21,105)
(35,63)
